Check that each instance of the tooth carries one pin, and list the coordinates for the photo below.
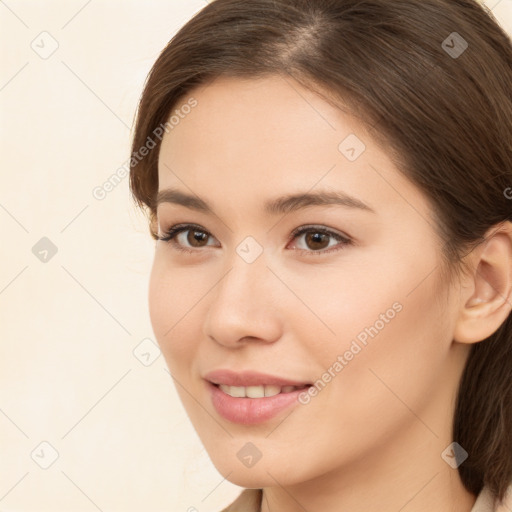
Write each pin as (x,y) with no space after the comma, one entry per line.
(225,388)
(272,390)
(237,391)
(255,391)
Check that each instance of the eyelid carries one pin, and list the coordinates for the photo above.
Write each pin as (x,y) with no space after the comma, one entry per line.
(171,233)
(321,229)
(343,240)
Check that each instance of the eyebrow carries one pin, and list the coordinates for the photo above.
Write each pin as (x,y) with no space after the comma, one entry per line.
(280,205)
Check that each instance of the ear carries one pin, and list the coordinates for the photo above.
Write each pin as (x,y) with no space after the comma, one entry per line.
(486,299)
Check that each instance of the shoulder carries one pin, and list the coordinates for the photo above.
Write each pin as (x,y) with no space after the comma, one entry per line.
(248,501)
(486,502)
(506,504)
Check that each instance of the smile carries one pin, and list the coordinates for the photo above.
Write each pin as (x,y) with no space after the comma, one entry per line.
(257,391)
(251,405)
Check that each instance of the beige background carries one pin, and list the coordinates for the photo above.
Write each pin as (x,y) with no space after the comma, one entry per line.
(73,374)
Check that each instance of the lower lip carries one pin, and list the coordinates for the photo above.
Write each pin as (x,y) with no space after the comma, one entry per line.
(250,411)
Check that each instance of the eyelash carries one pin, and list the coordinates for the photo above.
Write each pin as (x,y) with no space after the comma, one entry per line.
(174,231)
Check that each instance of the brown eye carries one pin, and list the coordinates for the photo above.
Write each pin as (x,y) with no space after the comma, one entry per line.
(187,237)
(196,237)
(317,240)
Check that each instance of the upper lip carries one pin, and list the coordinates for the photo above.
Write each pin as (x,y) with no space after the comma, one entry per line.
(249,378)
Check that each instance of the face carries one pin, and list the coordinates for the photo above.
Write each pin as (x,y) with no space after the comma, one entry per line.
(352,304)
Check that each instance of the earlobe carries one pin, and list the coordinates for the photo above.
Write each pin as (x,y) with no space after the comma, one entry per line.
(489,288)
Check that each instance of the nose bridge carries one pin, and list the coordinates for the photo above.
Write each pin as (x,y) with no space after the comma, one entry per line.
(241,305)
(246,276)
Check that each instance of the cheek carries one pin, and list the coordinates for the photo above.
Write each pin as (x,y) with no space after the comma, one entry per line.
(159,300)
(343,304)
(397,368)
(388,322)
(171,298)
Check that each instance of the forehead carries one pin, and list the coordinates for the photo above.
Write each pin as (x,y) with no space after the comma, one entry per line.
(246,119)
(262,137)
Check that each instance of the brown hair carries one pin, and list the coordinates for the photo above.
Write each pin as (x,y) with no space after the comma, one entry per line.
(441,109)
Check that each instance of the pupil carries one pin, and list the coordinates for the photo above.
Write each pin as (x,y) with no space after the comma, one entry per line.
(317,238)
(197,237)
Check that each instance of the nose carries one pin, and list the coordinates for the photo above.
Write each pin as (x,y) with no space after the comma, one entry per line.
(244,305)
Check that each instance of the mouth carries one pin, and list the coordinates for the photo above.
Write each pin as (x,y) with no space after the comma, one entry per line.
(250,398)
(261,391)
(252,379)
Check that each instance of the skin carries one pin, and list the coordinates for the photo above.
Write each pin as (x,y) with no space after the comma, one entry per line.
(372,439)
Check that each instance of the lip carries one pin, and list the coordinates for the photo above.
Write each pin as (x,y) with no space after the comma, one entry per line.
(251,411)
(249,378)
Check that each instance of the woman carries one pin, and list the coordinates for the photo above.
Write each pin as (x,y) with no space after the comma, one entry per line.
(329,184)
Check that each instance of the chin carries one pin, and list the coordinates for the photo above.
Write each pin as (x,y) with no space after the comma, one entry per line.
(233,470)
(249,480)
(261,474)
